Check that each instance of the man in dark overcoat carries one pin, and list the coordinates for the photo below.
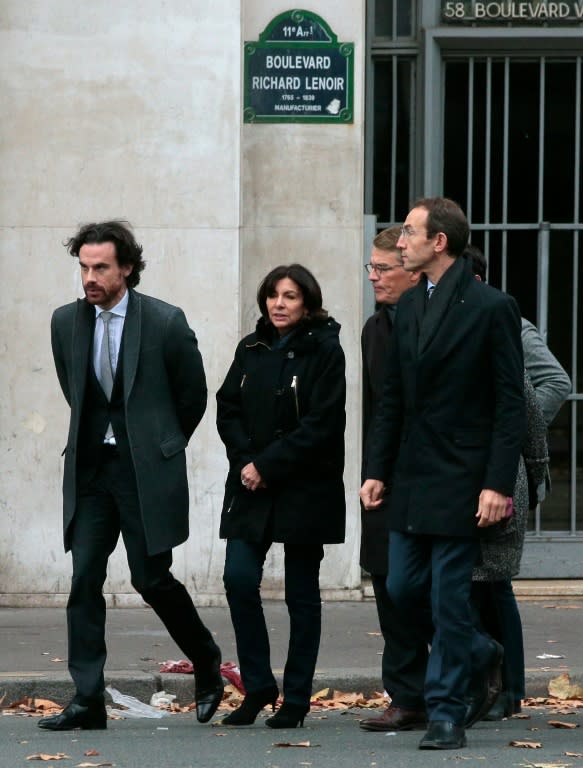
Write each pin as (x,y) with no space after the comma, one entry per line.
(404,656)
(447,436)
(130,369)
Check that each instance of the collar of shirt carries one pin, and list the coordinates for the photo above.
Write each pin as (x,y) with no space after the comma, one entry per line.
(120,308)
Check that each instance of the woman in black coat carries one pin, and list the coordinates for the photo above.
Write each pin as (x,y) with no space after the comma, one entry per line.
(280,413)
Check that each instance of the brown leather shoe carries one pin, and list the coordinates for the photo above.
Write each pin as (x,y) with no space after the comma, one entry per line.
(396,719)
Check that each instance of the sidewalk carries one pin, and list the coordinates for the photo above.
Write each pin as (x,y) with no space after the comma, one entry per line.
(34,647)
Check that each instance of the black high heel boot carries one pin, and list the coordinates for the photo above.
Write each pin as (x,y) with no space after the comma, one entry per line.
(251,706)
(288,716)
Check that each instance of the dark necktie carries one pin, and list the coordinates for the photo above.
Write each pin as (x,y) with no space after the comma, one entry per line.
(428,294)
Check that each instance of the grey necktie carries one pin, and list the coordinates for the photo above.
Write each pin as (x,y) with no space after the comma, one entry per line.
(105,367)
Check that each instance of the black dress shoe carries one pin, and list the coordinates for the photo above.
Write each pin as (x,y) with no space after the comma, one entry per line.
(86,716)
(208,690)
(442,734)
(505,705)
(485,685)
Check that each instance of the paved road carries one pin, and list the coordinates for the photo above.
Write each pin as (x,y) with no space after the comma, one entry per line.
(336,741)
(32,640)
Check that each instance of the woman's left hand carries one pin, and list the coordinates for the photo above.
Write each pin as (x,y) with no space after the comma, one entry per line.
(251,478)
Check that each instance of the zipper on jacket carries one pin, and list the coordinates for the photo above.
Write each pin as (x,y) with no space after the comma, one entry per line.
(242,381)
(294,386)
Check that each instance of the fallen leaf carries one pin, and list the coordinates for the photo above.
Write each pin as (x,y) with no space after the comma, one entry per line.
(546,765)
(561,688)
(91,753)
(374,634)
(525,744)
(297,744)
(93,765)
(323,694)
(57,660)
(42,756)
(561,724)
(573,754)
(549,656)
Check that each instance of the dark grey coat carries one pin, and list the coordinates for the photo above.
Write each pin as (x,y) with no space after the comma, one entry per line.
(283,409)
(452,418)
(374,539)
(165,394)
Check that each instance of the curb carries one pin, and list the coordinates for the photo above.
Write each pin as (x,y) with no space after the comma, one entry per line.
(141,685)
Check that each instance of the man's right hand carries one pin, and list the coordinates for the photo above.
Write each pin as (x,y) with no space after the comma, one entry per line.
(371,493)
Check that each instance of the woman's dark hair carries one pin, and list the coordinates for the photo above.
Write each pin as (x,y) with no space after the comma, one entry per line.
(307,283)
(118,232)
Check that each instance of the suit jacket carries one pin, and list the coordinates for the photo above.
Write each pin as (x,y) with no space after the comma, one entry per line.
(452,417)
(376,334)
(164,392)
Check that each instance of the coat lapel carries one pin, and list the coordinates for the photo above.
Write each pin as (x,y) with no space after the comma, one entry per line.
(82,346)
(132,332)
(446,292)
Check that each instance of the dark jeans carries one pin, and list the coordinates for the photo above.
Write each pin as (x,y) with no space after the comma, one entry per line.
(441,567)
(107,506)
(499,615)
(242,579)
(405,653)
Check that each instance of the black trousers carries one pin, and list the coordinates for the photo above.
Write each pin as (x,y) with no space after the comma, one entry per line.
(405,651)
(242,579)
(106,506)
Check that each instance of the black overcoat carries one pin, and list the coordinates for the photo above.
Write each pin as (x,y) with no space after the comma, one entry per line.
(283,408)
(164,391)
(376,333)
(452,417)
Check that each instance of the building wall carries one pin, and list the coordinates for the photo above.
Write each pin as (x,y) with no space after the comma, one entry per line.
(133,110)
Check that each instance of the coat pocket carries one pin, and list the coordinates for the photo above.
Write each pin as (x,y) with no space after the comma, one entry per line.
(173,445)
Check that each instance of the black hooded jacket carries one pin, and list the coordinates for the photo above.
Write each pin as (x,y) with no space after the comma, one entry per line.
(282,406)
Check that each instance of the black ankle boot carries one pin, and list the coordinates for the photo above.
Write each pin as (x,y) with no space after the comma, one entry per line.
(251,706)
(288,716)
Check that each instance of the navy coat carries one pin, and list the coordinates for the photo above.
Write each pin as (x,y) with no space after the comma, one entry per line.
(164,390)
(283,408)
(452,417)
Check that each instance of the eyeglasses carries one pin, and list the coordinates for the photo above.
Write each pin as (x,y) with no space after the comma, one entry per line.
(380,269)
(408,232)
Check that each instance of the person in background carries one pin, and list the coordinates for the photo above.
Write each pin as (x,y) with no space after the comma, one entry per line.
(130,370)
(546,386)
(281,416)
(404,656)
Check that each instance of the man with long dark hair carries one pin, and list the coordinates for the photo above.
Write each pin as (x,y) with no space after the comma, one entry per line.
(130,369)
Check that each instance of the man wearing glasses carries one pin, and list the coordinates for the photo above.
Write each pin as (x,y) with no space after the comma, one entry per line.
(447,435)
(404,657)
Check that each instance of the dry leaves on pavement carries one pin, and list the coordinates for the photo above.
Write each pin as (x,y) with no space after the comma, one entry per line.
(562,688)
(562,724)
(31,707)
(46,758)
(521,744)
(306,744)
(95,765)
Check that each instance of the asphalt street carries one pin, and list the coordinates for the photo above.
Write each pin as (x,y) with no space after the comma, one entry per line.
(329,739)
